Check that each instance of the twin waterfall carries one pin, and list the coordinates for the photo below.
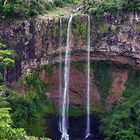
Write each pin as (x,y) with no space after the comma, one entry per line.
(64,91)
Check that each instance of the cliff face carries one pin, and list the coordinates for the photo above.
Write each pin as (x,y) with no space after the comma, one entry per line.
(100,97)
(113,38)
(36,42)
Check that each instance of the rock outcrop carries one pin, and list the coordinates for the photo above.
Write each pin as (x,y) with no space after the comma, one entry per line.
(77,88)
(36,41)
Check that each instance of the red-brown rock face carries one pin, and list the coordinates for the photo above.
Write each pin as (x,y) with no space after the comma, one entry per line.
(118,86)
(77,89)
(37,44)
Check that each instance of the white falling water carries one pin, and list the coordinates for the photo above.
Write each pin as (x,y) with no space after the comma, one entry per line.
(88,81)
(60,71)
(65,100)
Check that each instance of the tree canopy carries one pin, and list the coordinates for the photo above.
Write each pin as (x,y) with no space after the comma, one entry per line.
(98,7)
(123,123)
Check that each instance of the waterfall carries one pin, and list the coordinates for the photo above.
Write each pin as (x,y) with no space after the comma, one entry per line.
(60,71)
(88,81)
(65,100)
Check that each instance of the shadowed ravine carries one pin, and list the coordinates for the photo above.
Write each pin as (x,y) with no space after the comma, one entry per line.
(70,70)
(76,129)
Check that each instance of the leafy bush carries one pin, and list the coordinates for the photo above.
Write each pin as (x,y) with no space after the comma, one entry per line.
(133,6)
(6,57)
(99,7)
(21,8)
(124,121)
(6,130)
(58,3)
(26,8)
(29,110)
(103,73)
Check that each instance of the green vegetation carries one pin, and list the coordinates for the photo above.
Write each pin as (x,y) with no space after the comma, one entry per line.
(20,112)
(21,8)
(56,29)
(61,3)
(98,110)
(102,6)
(64,31)
(123,123)
(29,110)
(26,8)
(79,25)
(6,61)
(103,29)
(133,5)
(99,7)
(76,111)
(103,73)
(6,129)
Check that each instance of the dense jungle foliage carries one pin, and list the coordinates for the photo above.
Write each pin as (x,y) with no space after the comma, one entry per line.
(29,8)
(123,123)
(21,112)
(99,7)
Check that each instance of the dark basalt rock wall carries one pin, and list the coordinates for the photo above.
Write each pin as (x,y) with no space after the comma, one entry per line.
(36,41)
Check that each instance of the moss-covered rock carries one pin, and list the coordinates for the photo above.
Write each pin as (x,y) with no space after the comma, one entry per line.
(103,73)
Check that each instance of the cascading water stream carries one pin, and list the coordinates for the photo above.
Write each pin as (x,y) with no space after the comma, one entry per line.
(88,81)
(60,71)
(65,100)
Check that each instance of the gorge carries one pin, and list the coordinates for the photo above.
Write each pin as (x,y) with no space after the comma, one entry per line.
(76,75)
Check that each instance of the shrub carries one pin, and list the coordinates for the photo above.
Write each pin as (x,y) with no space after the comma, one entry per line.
(6,130)
(123,123)
(99,7)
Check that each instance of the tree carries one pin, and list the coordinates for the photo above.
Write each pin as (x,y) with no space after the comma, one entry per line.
(123,123)
(6,60)
(7,132)
(98,7)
